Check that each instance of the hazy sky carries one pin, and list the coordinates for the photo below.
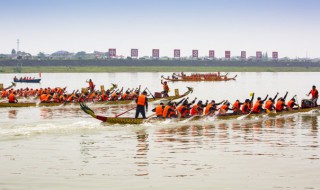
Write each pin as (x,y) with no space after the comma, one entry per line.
(291,27)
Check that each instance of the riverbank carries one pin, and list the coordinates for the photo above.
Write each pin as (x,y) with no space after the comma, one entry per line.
(111,69)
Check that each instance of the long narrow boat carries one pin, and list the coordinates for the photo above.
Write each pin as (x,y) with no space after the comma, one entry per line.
(118,102)
(27,81)
(199,79)
(12,85)
(129,120)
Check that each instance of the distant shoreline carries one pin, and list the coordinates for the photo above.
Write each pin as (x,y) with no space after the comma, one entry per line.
(112,69)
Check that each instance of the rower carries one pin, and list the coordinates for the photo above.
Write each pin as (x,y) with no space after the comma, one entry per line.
(224,108)
(185,108)
(198,108)
(12,97)
(159,110)
(245,109)
(165,89)
(236,107)
(281,103)
(269,105)
(211,108)
(169,111)
(142,102)
(292,103)
(314,95)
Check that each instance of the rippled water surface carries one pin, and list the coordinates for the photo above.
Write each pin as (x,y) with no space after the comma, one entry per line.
(62,148)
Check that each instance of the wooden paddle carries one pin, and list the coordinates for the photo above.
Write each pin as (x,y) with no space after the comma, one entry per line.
(151,94)
(125,111)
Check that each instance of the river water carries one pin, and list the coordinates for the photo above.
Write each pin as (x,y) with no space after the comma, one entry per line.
(63,148)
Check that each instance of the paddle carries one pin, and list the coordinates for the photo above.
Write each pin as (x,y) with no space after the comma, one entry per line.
(151,94)
(125,112)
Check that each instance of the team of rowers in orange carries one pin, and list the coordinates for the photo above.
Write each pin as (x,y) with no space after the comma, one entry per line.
(188,109)
(59,95)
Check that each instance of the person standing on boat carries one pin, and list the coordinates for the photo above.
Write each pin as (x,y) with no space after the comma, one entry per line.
(142,102)
(314,95)
(91,85)
(165,89)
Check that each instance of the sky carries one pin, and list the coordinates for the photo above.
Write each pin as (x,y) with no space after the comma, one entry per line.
(291,27)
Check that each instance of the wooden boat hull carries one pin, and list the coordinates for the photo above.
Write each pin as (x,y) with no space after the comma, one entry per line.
(127,120)
(28,81)
(118,102)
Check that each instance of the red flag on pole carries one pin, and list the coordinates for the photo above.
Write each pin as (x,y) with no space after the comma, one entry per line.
(40,75)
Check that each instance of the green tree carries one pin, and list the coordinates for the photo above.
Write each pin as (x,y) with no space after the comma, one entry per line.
(13,52)
(80,54)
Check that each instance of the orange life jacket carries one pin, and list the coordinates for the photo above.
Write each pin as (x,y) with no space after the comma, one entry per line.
(43,97)
(236,106)
(279,106)
(290,103)
(159,110)
(244,106)
(223,107)
(165,87)
(124,96)
(141,100)
(195,111)
(268,105)
(91,85)
(314,93)
(166,110)
(206,111)
(256,107)
(185,112)
(12,98)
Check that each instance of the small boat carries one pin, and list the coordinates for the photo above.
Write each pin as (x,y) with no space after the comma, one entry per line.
(199,79)
(228,116)
(27,81)
(117,102)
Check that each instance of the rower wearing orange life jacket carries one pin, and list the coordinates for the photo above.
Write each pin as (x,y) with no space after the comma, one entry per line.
(12,97)
(236,107)
(224,108)
(245,109)
(185,108)
(170,110)
(198,108)
(269,105)
(159,110)
(165,89)
(292,103)
(281,103)
(142,102)
(314,95)
(257,108)
(211,108)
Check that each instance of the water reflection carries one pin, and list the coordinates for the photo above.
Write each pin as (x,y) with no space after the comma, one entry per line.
(12,114)
(141,157)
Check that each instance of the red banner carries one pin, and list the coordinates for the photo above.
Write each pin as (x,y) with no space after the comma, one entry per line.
(243,55)
(211,54)
(155,53)
(112,52)
(275,55)
(176,53)
(258,55)
(195,53)
(227,54)
(134,52)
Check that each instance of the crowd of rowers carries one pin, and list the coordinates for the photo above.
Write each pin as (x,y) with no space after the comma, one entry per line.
(59,95)
(23,78)
(188,109)
(198,75)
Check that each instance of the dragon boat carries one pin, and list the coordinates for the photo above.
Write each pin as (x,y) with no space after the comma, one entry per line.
(150,119)
(199,79)
(117,102)
(27,81)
